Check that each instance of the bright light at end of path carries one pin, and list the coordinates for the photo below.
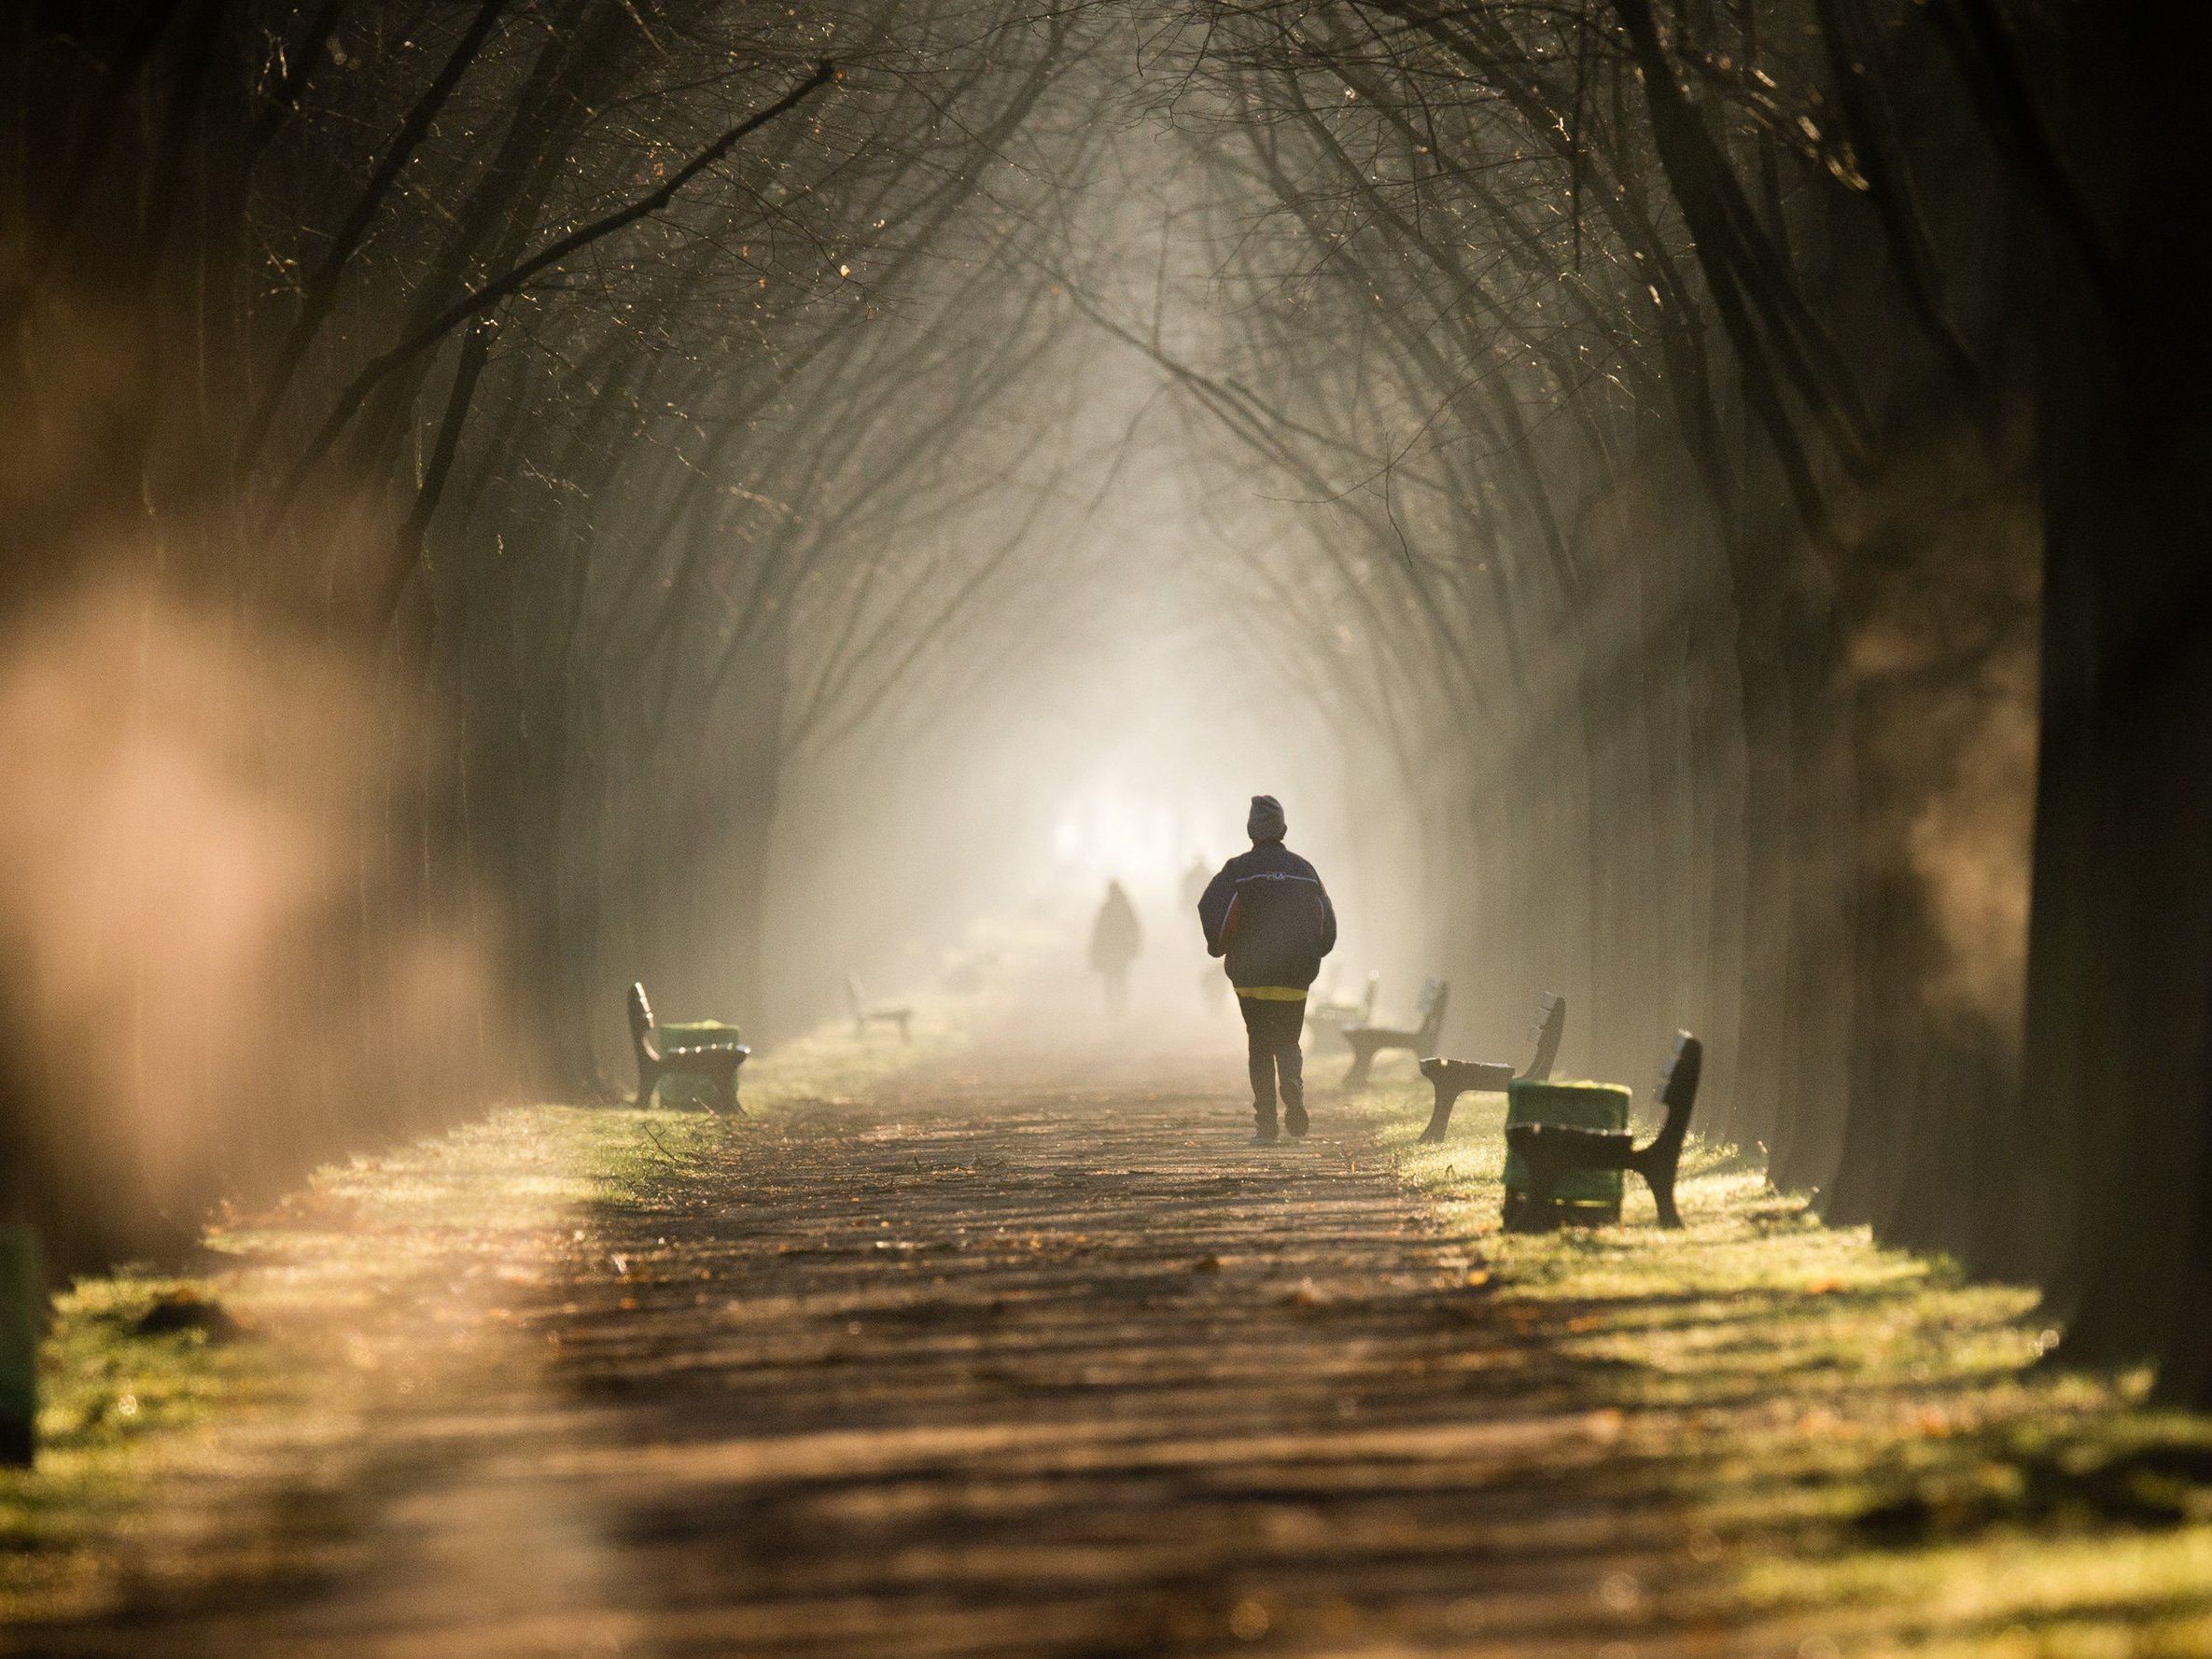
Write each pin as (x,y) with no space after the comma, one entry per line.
(1144,839)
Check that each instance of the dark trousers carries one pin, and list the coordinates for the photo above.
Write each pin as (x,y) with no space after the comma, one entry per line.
(1271,1032)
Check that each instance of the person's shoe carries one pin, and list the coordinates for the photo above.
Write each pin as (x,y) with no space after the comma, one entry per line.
(1263,1132)
(1293,1119)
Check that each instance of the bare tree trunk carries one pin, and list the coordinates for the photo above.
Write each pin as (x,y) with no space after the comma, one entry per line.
(2119,1064)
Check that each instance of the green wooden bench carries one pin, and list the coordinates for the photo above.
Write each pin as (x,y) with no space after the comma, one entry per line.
(1588,1197)
(706,1049)
(1568,1145)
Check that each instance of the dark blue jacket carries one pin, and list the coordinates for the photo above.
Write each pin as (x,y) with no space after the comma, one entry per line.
(1268,912)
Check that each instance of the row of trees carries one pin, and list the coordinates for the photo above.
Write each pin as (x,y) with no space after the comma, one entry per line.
(1725,436)
(472,454)
(1735,466)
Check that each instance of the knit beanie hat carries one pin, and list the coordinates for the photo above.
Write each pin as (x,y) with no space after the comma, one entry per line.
(1265,822)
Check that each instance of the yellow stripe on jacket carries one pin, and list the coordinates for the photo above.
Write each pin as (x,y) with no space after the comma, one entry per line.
(1272,992)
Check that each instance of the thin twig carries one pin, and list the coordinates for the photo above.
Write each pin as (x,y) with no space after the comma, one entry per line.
(373,373)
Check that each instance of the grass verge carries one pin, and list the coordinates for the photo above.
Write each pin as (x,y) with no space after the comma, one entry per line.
(1867,1446)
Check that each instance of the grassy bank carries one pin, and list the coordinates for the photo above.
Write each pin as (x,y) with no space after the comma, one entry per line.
(1867,1445)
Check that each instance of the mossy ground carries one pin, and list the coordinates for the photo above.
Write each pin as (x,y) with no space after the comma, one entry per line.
(1867,1443)
(114,1406)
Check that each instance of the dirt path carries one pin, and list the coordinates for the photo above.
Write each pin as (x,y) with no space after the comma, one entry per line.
(993,1363)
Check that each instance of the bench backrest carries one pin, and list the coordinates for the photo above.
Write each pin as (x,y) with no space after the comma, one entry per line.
(1435,993)
(1551,1026)
(1678,1078)
(641,1021)
(1678,1086)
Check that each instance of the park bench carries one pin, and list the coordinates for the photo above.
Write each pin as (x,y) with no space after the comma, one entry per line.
(1550,1152)
(1370,1040)
(708,1051)
(865,1014)
(1454,1078)
(1327,1016)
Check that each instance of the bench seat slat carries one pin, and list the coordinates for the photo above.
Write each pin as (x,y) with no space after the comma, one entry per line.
(698,1037)
(708,1050)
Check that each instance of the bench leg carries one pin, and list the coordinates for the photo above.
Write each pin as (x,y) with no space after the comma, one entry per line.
(1537,1213)
(1362,1055)
(647,1077)
(1659,1175)
(1662,1194)
(730,1088)
(1448,1096)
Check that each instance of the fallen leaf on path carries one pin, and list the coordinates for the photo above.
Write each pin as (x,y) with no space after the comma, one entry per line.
(1620,1592)
(1250,1620)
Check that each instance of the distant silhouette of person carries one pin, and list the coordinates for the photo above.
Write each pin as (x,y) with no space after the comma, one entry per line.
(1195,880)
(1268,912)
(1115,939)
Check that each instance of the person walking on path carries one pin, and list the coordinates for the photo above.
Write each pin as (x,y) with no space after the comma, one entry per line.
(1266,912)
(1115,939)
